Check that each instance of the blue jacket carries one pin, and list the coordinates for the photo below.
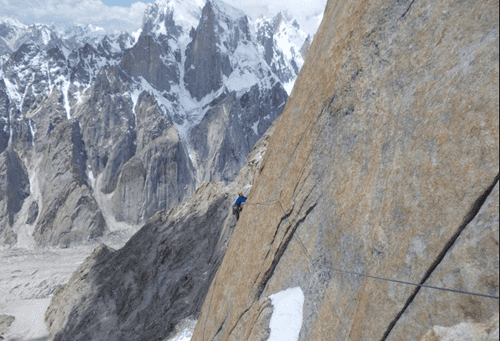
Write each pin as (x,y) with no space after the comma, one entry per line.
(240,199)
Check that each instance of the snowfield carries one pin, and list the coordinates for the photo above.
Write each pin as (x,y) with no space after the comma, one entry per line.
(287,316)
(29,324)
(30,277)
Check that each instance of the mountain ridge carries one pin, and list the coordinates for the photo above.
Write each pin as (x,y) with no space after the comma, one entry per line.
(102,83)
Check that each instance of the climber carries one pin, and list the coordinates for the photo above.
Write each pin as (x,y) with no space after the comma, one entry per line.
(238,205)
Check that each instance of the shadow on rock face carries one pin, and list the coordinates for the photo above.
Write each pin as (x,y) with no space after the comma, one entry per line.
(160,277)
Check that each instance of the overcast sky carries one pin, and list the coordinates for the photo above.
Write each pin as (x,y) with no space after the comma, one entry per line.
(127,15)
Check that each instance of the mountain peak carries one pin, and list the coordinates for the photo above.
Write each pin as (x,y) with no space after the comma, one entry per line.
(164,15)
(12,21)
(227,10)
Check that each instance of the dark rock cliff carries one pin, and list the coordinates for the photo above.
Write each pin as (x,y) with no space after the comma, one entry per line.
(14,189)
(69,212)
(161,276)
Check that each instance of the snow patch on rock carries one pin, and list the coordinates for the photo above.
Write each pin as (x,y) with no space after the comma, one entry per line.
(286,321)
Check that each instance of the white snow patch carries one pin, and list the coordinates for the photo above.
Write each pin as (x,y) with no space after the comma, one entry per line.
(78,96)
(66,52)
(45,36)
(10,136)
(65,89)
(115,47)
(254,127)
(231,12)
(240,81)
(29,323)
(185,14)
(91,175)
(185,335)
(31,182)
(184,330)
(289,86)
(12,90)
(136,35)
(161,30)
(32,131)
(135,96)
(286,321)
(200,3)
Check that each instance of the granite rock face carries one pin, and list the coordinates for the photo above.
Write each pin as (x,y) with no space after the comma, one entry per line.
(69,212)
(160,277)
(487,331)
(144,59)
(32,213)
(14,189)
(159,177)
(4,117)
(206,63)
(384,163)
(221,141)
(66,297)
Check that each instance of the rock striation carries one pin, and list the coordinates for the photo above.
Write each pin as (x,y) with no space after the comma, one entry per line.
(384,163)
(160,277)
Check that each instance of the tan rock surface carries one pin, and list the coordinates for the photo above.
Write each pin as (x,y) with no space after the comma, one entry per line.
(465,332)
(375,167)
(471,265)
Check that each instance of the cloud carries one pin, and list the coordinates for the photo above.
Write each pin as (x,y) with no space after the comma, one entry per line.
(85,12)
(298,8)
(302,10)
(75,12)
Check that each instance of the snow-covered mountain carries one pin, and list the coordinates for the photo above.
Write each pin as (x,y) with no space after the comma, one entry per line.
(285,46)
(148,116)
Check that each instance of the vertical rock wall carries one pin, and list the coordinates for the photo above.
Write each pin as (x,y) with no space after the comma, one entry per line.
(14,188)
(69,212)
(384,163)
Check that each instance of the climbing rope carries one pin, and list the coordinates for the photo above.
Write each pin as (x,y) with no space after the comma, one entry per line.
(395,280)
(375,277)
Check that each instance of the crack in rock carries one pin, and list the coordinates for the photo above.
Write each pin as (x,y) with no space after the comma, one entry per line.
(408,9)
(280,251)
(470,216)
